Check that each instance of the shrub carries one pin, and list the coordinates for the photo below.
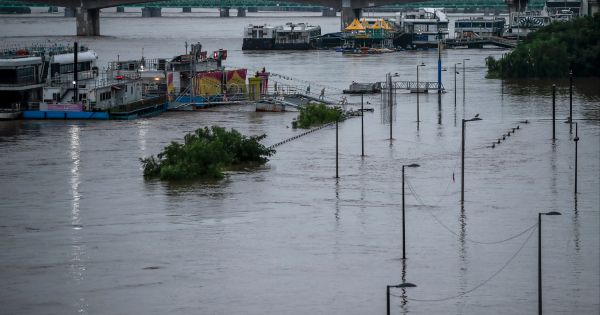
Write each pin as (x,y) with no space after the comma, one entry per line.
(205,154)
(317,114)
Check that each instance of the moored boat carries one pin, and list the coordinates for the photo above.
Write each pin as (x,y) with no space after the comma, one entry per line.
(291,36)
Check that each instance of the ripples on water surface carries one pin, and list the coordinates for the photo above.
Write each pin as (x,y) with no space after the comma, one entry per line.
(81,231)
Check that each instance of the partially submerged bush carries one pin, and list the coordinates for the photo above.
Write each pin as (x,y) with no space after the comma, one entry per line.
(317,114)
(205,154)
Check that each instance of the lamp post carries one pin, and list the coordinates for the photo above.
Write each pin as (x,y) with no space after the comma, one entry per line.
(390,102)
(418,120)
(75,91)
(553,111)
(390,85)
(403,206)
(464,62)
(570,96)
(540,257)
(462,168)
(401,285)
(576,139)
(75,72)
(362,126)
(336,150)
(455,91)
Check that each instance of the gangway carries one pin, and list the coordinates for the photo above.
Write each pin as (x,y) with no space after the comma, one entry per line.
(423,86)
(480,41)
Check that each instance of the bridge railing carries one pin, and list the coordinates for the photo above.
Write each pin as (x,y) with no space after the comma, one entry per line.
(412,85)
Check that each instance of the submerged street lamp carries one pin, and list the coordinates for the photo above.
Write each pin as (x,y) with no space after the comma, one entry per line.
(455,90)
(403,206)
(576,139)
(462,168)
(401,285)
(540,257)
(418,120)
(464,63)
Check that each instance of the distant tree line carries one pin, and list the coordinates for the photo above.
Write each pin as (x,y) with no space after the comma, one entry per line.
(553,51)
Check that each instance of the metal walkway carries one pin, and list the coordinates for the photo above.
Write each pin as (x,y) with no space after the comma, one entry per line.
(424,86)
(480,41)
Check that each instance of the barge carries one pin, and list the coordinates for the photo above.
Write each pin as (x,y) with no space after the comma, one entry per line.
(290,36)
(425,26)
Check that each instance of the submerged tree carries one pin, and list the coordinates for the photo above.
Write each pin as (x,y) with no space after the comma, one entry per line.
(205,154)
(553,51)
(317,114)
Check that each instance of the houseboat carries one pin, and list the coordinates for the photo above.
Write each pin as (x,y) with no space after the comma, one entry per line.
(21,80)
(426,26)
(74,88)
(563,10)
(479,27)
(367,36)
(290,36)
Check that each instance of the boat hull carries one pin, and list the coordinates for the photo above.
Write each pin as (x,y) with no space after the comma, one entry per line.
(269,107)
(10,115)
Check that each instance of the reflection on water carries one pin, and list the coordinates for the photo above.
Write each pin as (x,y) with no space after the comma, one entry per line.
(78,248)
(463,260)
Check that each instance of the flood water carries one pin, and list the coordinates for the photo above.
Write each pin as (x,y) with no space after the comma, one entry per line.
(82,232)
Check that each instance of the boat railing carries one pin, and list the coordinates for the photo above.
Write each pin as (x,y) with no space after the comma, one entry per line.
(144,103)
(108,79)
(143,64)
(67,78)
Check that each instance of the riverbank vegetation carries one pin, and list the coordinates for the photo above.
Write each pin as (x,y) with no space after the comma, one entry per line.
(317,114)
(205,154)
(553,51)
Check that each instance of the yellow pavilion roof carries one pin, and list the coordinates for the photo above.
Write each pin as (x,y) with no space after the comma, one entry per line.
(385,25)
(355,26)
(377,25)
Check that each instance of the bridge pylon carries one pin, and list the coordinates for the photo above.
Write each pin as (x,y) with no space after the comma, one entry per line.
(88,21)
(349,13)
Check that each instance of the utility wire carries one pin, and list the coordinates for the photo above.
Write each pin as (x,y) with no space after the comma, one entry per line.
(418,198)
(482,283)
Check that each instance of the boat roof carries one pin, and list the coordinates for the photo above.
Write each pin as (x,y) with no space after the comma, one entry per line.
(296,27)
(82,56)
(20,61)
(356,25)
(260,26)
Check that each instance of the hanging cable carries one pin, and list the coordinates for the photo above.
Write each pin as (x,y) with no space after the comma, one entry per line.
(418,198)
(482,283)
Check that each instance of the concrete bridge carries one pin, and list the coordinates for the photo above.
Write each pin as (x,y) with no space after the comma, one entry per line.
(87,13)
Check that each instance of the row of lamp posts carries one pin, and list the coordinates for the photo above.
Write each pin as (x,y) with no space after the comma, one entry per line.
(464,121)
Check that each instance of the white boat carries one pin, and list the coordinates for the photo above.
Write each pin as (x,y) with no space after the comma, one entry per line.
(21,80)
(427,26)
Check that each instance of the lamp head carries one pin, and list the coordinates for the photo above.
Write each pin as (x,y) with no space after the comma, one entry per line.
(412,165)
(404,285)
(74,82)
(552,213)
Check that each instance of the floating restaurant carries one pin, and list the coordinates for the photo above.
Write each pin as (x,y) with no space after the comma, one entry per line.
(368,37)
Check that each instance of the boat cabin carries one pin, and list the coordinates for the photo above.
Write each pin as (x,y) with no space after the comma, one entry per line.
(478,27)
